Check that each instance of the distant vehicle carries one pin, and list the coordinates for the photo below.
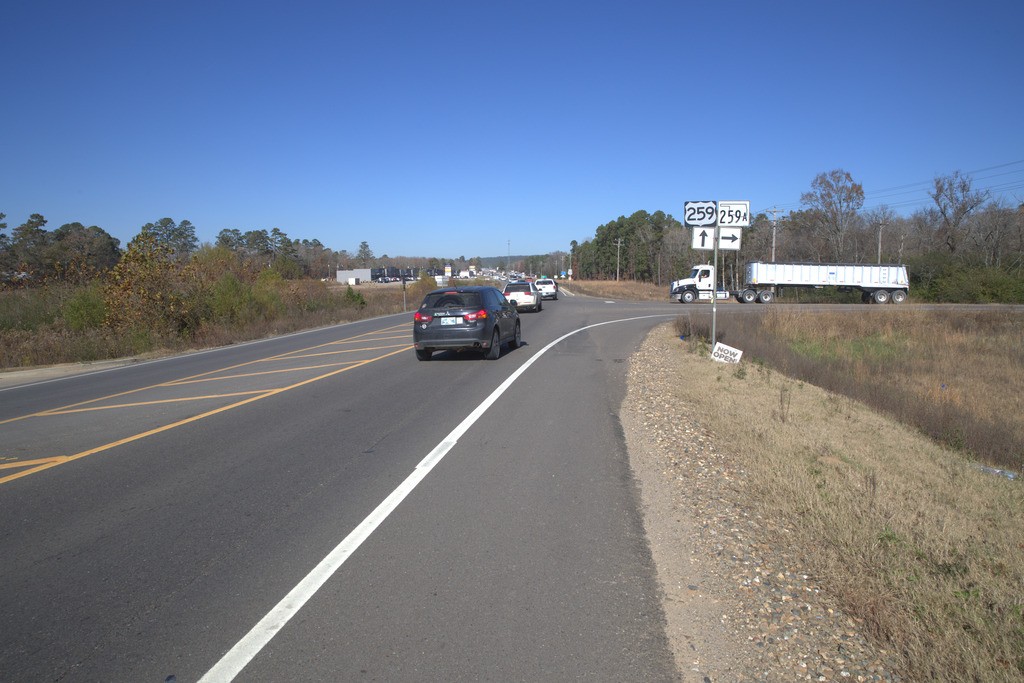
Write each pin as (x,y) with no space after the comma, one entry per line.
(524,295)
(465,318)
(762,281)
(548,288)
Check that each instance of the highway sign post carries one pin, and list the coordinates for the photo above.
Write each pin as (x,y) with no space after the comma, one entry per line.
(716,225)
(728,238)
(700,214)
(734,214)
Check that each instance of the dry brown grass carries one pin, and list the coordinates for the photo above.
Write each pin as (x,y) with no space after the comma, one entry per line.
(623,289)
(913,538)
(956,376)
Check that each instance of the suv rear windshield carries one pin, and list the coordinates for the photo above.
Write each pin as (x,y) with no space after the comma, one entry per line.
(452,300)
(524,287)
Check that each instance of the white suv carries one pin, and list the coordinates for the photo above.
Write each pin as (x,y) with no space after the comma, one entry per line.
(523,295)
(548,288)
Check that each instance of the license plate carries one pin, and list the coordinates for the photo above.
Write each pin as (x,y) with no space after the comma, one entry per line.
(457,320)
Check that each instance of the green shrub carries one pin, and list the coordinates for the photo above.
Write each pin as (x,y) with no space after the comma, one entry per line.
(85,309)
(354,299)
(937,277)
(232,301)
(267,294)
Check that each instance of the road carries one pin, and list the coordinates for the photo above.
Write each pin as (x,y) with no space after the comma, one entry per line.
(322,506)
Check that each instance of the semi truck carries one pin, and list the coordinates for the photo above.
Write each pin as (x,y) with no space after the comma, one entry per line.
(763,281)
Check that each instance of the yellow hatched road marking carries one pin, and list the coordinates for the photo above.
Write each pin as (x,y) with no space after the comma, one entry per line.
(192,378)
(336,352)
(182,399)
(218,378)
(47,463)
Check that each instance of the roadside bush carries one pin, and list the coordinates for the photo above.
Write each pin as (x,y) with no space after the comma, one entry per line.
(144,295)
(85,309)
(266,292)
(419,289)
(936,277)
(354,298)
(979,285)
(232,301)
(28,309)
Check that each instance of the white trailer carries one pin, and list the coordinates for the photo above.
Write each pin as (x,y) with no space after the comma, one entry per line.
(762,281)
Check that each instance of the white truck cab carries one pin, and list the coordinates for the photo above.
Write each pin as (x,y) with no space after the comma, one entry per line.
(697,286)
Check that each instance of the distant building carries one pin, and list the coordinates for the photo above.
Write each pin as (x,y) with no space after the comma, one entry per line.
(360,274)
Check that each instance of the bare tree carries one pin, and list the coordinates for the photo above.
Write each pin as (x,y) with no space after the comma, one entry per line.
(836,199)
(879,220)
(995,228)
(804,239)
(956,201)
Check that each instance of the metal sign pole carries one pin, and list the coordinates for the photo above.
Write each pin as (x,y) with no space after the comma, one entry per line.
(714,291)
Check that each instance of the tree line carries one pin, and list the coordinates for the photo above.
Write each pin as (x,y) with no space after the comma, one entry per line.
(966,246)
(31,255)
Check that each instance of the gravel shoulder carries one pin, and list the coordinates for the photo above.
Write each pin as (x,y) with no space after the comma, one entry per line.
(739,605)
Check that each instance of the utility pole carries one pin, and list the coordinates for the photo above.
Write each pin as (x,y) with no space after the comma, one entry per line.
(618,248)
(881,224)
(773,211)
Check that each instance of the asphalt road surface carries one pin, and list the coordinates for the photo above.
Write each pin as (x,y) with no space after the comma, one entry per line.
(323,506)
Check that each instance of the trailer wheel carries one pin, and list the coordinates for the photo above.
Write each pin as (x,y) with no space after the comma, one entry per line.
(766,297)
(880,296)
(688,297)
(898,296)
(748,296)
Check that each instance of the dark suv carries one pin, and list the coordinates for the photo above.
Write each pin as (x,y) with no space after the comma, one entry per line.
(463,318)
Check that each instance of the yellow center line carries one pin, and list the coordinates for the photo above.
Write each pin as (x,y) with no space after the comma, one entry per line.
(60,460)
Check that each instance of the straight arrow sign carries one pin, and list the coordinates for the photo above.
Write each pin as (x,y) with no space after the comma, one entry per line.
(729,238)
(703,238)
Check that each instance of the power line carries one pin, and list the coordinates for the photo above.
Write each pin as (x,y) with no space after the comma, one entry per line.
(873,196)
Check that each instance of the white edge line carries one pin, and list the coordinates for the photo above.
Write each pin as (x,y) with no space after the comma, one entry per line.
(245,650)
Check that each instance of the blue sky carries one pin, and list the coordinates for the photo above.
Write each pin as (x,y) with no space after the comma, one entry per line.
(452,128)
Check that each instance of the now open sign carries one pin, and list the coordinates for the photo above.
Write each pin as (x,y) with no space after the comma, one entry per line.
(726,354)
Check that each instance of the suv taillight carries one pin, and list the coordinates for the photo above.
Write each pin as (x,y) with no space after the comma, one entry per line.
(422,317)
(479,315)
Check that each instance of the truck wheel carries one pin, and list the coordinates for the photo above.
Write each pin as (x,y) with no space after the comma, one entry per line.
(898,297)
(748,296)
(880,296)
(688,297)
(766,297)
